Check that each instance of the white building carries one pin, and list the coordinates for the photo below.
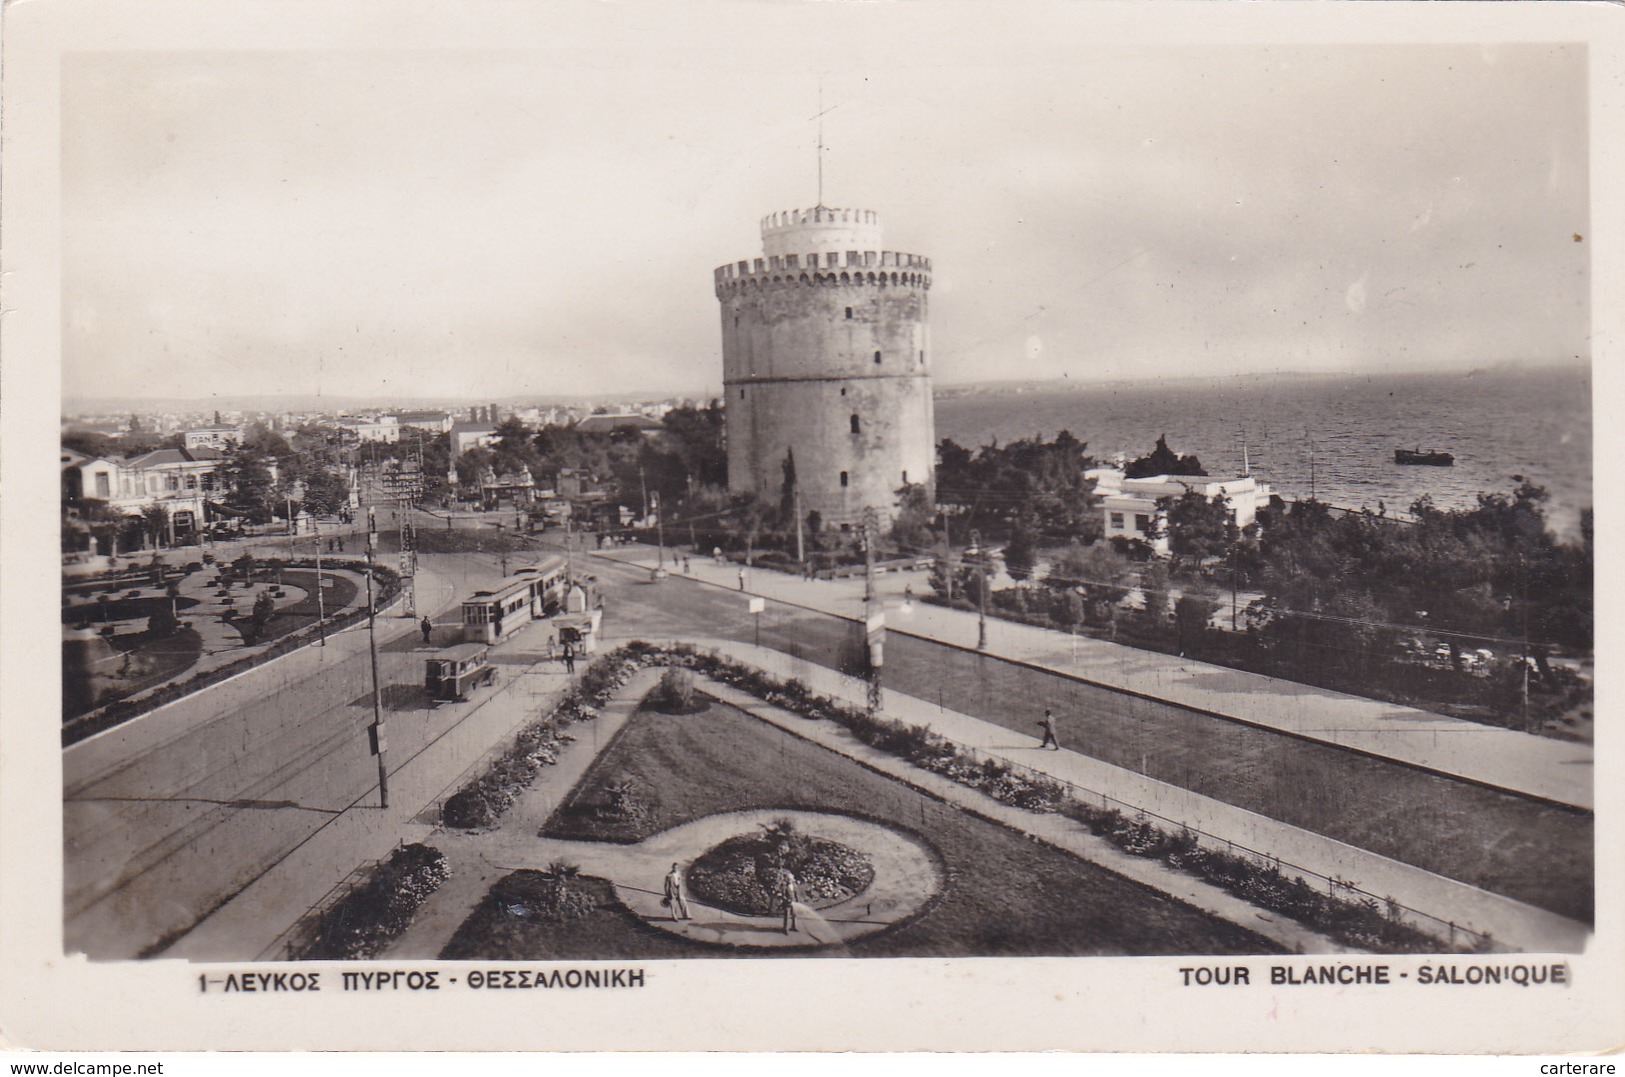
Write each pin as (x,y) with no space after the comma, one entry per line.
(1130,505)
(384,428)
(213,437)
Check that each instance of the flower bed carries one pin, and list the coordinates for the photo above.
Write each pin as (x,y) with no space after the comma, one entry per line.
(483,800)
(376,913)
(743,873)
(554,896)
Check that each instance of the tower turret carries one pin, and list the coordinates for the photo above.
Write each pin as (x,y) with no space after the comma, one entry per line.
(825,353)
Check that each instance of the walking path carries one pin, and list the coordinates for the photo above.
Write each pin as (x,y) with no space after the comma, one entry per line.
(1558,771)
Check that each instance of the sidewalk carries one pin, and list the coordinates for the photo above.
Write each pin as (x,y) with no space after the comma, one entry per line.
(1553,770)
(253,921)
(1512,924)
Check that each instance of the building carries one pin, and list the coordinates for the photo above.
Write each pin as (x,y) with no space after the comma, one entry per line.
(465,436)
(179,481)
(1130,505)
(383,428)
(825,352)
(607,424)
(218,438)
(438,422)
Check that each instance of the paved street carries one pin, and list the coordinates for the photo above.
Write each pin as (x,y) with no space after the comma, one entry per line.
(167,816)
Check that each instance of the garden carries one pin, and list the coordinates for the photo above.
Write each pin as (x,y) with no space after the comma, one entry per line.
(1006,895)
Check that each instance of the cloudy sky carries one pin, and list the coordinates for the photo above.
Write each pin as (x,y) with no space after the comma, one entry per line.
(545,218)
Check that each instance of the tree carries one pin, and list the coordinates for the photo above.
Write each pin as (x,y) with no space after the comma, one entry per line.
(248,483)
(475,459)
(1197,527)
(1154,587)
(1099,573)
(261,439)
(911,531)
(1163,461)
(1192,613)
(787,492)
(1020,553)
(325,493)
(155,524)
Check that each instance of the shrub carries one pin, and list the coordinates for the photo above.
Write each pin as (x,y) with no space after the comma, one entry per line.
(377,912)
(553,895)
(675,694)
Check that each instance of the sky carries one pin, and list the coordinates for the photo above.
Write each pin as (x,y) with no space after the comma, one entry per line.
(545,218)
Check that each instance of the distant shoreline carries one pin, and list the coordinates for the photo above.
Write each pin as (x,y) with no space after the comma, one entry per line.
(941,390)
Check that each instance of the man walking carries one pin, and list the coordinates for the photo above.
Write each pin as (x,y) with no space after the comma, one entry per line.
(1050,739)
(789,895)
(741,579)
(674,895)
(569,658)
(428,629)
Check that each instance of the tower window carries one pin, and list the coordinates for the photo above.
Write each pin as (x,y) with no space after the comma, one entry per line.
(856,426)
(905,476)
(845,480)
(741,394)
(848,313)
(877,358)
(843,390)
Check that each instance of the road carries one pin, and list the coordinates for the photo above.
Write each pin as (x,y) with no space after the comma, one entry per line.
(167,817)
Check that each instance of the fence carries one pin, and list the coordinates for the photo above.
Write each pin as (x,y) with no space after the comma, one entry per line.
(303,933)
(1340,889)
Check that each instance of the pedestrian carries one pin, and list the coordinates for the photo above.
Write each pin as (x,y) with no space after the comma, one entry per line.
(716,554)
(674,895)
(1050,739)
(552,642)
(569,657)
(741,579)
(341,544)
(688,567)
(428,629)
(788,896)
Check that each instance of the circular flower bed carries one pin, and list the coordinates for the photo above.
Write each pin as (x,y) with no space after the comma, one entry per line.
(741,875)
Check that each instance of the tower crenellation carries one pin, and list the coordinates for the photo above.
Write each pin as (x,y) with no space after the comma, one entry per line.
(826,355)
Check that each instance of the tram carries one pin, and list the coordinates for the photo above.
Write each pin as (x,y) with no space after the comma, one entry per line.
(456,670)
(536,591)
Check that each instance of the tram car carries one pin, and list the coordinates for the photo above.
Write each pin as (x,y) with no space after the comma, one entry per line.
(533,592)
(450,675)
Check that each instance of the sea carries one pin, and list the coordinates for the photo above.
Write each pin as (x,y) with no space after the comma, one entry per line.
(1331,437)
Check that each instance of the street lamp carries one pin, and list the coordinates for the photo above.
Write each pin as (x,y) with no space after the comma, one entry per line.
(977,552)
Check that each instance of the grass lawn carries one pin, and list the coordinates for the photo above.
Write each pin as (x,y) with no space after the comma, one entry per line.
(88,682)
(1526,849)
(1003,894)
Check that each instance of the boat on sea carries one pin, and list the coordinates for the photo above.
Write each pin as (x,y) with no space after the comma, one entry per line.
(1417,456)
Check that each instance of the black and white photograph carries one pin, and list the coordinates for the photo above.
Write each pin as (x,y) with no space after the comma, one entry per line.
(605,497)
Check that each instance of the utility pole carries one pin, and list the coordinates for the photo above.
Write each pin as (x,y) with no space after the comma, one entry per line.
(660,531)
(378,746)
(321,602)
(980,554)
(874,621)
(795,502)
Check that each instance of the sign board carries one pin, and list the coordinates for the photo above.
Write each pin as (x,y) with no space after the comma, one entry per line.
(375,734)
(758,604)
(876,622)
